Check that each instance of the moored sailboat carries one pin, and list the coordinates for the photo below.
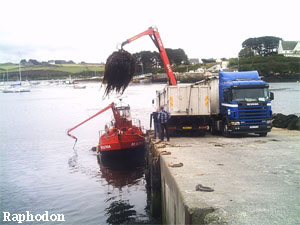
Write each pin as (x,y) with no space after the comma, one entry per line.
(17,87)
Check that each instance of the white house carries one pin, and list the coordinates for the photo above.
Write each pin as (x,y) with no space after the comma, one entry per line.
(224,65)
(218,60)
(289,48)
(194,61)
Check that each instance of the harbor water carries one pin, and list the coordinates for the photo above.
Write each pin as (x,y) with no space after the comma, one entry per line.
(40,171)
(287,98)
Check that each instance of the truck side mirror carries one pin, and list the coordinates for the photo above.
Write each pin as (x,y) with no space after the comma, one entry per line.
(271,95)
(152,101)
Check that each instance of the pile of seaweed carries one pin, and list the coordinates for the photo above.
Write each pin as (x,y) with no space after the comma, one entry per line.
(291,122)
(119,70)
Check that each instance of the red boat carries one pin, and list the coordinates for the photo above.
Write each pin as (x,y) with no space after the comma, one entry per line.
(121,135)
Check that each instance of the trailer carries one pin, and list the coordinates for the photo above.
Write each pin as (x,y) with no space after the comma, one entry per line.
(189,106)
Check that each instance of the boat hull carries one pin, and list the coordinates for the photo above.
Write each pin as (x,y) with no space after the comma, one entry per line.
(123,154)
(121,143)
(15,90)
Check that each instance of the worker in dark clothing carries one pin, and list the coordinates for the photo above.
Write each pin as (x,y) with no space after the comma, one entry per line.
(156,124)
(163,117)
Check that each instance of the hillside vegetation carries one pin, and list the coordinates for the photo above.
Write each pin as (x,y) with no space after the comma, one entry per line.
(273,68)
(59,71)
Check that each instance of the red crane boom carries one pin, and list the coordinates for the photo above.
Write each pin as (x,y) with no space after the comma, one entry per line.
(154,35)
(112,105)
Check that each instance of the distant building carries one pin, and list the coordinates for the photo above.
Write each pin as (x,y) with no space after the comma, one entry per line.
(289,48)
(60,61)
(224,65)
(194,61)
(218,60)
(52,62)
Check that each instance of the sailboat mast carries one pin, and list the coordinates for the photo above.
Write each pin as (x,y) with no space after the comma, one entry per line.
(20,72)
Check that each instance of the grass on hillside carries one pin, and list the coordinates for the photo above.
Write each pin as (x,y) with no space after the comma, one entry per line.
(70,68)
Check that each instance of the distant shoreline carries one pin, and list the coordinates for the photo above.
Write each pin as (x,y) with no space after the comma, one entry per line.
(193,79)
(90,74)
(277,79)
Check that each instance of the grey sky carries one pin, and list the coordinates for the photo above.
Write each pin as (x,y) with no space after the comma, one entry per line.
(89,30)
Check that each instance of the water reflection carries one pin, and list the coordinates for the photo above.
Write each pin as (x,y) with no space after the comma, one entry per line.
(120,212)
(126,178)
(123,182)
(121,172)
(73,161)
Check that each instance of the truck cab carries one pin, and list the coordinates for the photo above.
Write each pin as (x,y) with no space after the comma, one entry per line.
(245,103)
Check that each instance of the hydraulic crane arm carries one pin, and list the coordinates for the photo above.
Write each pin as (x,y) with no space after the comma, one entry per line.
(93,116)
(154,35)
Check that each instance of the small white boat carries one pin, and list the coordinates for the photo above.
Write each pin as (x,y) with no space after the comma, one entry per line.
(78,86)
(15,89)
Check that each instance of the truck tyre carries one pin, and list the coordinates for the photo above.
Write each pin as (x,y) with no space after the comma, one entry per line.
(201,133)
(212,130)
(263,134)
(225,130)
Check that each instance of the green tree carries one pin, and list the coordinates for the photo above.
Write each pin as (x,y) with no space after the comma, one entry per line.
(145,60)
(180,57)
(263,46)
(177,56)
(246,53)
(23,62)
(34,62)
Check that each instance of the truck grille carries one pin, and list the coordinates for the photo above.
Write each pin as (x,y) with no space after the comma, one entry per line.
(251,115)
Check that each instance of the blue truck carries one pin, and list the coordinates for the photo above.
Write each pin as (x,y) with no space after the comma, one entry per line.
(241,103)
(231,103)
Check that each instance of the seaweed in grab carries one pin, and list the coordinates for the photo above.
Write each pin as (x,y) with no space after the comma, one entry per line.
(119,70)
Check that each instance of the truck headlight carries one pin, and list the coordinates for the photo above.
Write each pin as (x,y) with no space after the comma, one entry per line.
(269,121)
(235,123)
(228,111)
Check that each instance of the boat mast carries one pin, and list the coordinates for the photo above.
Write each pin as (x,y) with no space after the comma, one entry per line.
(20,72)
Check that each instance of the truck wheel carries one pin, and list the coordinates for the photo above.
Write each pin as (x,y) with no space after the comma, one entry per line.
(201,133)
(212,130)
(225,130)
(263,134)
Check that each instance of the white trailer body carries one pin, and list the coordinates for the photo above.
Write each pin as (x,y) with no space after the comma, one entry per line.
(213,88)
(190,105)
(200,99)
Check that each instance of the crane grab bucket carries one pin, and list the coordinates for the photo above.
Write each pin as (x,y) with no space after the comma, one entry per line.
(119,70)
(120,65)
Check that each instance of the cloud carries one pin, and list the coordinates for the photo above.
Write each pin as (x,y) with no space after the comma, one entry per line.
(12,52)
(90,30)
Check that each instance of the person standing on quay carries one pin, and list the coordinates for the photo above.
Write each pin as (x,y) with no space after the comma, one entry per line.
(156,124)
(163,117)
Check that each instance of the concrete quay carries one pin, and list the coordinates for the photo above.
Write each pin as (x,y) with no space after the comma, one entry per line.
(248,180)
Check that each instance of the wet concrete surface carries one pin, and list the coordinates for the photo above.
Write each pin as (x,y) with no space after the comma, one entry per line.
(255,180)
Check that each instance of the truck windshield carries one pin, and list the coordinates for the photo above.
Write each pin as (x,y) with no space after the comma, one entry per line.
(250,94)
